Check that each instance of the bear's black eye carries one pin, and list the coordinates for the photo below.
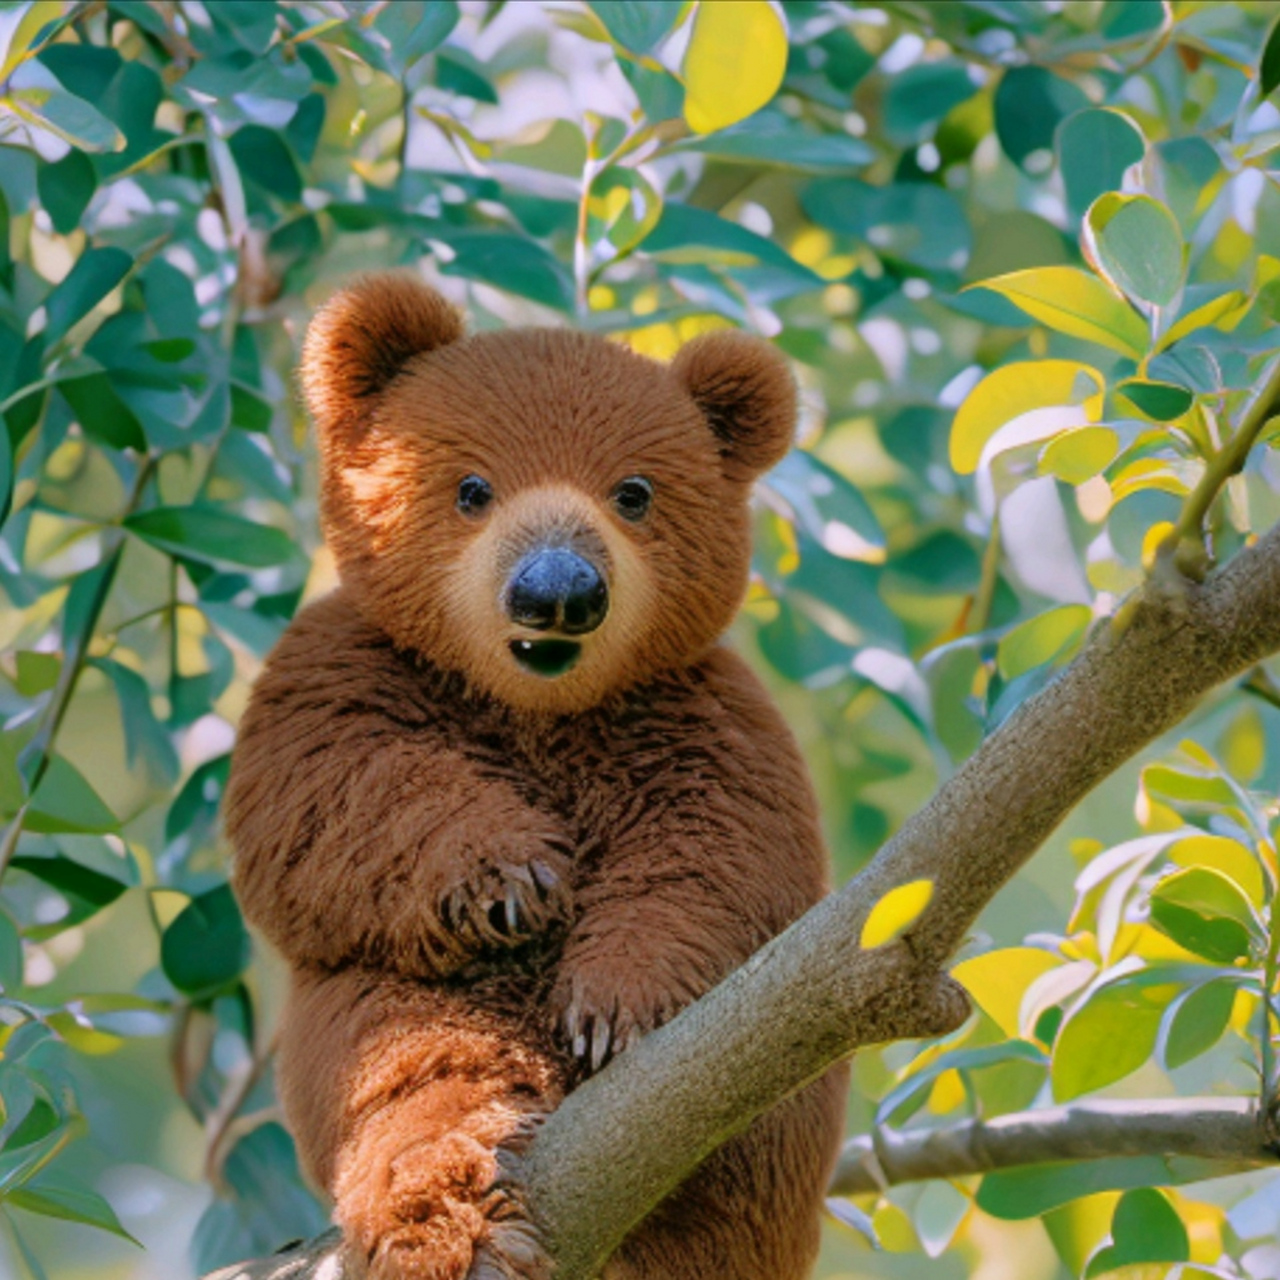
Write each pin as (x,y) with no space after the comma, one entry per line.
(633,497)
(474,494)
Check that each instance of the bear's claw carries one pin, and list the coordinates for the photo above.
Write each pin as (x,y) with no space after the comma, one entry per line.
(504,904)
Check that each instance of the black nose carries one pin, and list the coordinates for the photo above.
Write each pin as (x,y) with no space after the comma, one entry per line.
(555,588)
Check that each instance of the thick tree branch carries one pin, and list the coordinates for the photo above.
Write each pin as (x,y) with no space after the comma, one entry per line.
(813,995)
(1227,1129)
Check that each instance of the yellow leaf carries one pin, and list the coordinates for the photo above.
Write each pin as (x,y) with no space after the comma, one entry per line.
(1225,855)
(1079,455)
(947,1094)
(736,59)
(1054,633)
(896,912)
(893,1228)
(1076,303)
(1211,312)
(1243,745)
(1014,389)
(997,981)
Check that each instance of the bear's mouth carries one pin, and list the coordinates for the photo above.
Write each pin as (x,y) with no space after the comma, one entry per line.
(549,658)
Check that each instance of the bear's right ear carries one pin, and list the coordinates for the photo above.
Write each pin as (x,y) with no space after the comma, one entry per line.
(360,339)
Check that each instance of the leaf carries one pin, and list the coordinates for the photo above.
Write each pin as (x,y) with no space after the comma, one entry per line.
(1076,303)
(1095,148)
(211,536)
(414,28)
(64,801)
(920,96)
(65,188)
(1052,636)
(624,207)
(1077,455)
(55,1198)
(1032,1190)
(908,1095)
(1222,854)
(1196,1022)
(1139,246)
(831,511)
(11,959)
(998,980)
(510,262)
(734,64)
(895,913)
(772,138)
(86,889)
(1016,389)
(1228,307)
(1029,104)
(1145,1228)
(102,414)
(206,947)
(638,26)
(1206,912)
(459,72)
(1269,65)
(47,105)
(1109,1034)
(95,274)
(1161,401)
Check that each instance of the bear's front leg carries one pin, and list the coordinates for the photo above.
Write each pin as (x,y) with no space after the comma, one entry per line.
(411,1106)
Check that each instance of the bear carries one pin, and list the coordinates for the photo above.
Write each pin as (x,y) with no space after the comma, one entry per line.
(503,800)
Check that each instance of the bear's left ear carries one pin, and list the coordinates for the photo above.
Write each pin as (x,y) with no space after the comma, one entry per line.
(747,393)
(361,338)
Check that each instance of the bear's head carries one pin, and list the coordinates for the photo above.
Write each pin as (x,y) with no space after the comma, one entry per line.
(544,511)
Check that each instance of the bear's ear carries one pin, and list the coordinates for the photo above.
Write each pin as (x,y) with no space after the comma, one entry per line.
(360,339)
(747,393)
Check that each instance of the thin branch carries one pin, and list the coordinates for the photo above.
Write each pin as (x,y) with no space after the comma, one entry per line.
(1226,1129)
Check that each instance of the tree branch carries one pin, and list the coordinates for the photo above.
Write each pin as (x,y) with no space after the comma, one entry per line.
(813,995)
(1227,1129)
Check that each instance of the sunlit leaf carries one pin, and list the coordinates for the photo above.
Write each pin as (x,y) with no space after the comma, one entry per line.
(1220,853)
(1052,635)
(895,913)
(999,979)
(1012,390)
(735,62)
(1076,303)
(1217,311)
(1204,911)
(211,536)
(1197,1022)
(1145,1228)
(1076,456)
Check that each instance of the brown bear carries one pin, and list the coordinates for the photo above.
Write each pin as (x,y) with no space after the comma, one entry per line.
(502,800)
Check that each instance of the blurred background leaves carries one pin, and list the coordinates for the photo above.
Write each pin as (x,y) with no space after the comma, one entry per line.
(1025,257)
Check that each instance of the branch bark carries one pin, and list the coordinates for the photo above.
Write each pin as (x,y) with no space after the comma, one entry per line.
(813,995)
(1227,1129)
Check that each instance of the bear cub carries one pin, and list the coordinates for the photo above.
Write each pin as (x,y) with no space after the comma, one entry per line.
(502,800)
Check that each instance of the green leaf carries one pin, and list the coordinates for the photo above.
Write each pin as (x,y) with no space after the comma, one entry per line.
(1029,104)
(206,947)
(688,234)
(1076,303)
(1095,148)
(66,187)
(95,274)
(263,157)
(1161,401)
(145,739)
(11,960)
(211,536)
(1032,1190)
(414,28)
(510,262)
(1197,1021)
(910,1094)
(459,72)
(772,138)
(637,25)
(920,96)
(36,673)
(49,106)
(1269,66)
(1139,246)
(827,506)
(1145,1228)
(64,801)
(1206,912)
(1223,311)
(55,1198)
(102,415)
(1077,455)
(1053,636)
(86,889)
(1109,1034)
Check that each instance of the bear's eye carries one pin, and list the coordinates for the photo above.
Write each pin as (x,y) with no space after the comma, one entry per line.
(633,497)
(474,494)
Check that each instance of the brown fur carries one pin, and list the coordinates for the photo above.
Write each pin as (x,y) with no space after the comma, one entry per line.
(487,882)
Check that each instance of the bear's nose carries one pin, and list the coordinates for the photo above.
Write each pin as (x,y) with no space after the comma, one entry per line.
(555,588)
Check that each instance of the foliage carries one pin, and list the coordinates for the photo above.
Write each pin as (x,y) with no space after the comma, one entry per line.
(1025,256)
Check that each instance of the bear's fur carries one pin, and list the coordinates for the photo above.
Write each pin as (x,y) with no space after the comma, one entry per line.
(487,880)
